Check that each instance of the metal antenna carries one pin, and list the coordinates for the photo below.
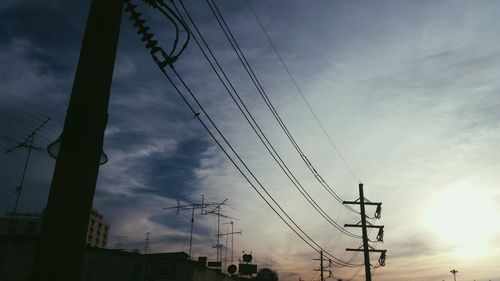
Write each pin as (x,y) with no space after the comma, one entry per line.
(193,207)
(118,241)
(216,211)
(232,238)
(27,143)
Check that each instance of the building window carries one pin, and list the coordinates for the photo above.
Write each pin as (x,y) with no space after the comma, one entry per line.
(92,222)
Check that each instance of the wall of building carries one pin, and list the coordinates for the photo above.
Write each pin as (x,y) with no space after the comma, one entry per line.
(20,224)
(17,256)
(31,223)
(97,230)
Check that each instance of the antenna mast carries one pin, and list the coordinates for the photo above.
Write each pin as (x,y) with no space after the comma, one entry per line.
(192,207)
(28,144)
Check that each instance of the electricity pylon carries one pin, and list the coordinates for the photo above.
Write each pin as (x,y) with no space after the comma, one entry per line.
(366,248)
(27,143)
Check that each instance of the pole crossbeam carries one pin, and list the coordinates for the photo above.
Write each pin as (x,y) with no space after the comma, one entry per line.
(368,225)
(366,203)
(369,250)
(224,234)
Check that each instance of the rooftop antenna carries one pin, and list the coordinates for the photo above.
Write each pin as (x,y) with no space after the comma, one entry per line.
(216,211)
(27,143)
(118,243)
(195,206)
(232,239)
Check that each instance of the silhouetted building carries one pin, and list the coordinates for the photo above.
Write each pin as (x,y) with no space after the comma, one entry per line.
(17,254)
(97,231)
(30,224)
(20,224)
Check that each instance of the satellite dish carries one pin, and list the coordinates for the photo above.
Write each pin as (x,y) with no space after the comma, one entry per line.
(247,258)
(232,269)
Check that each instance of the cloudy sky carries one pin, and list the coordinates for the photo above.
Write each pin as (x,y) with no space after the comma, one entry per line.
(407,91)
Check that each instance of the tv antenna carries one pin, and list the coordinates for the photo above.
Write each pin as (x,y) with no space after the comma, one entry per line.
(26,143)
(232,239)
(195,206)
(216,211)
(118,243)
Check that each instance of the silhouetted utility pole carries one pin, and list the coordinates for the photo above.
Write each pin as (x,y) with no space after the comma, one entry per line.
(62,240)
(146,243)
(454,272)
(362,201)
(321,267)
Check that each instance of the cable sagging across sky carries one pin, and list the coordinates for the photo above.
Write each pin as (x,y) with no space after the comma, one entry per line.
(242,58)
(299,90)
(216,67)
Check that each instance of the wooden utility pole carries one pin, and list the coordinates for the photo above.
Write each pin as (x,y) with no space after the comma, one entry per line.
(364,225)
(321,267)
(62,240)
(454,272)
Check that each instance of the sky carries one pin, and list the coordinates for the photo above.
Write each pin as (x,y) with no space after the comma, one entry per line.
(407,91)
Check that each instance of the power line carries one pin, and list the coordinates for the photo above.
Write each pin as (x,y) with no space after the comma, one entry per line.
(241,56)
(258,182)
(299,90)
(256,128)
(246,167)
(309,241)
